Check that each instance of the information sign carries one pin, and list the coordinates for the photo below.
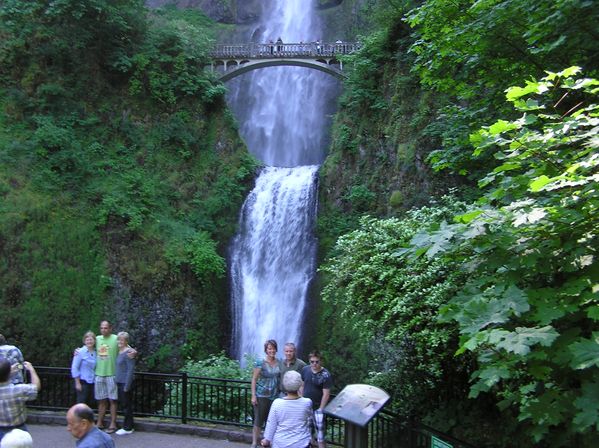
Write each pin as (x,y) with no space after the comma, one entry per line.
(357,403)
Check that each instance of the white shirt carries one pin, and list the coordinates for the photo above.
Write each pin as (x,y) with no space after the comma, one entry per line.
(288,424)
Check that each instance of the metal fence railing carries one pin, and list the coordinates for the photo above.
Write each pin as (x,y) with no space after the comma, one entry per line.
(283,50)
(187,399)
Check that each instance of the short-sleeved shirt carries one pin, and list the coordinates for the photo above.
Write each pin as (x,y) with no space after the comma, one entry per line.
(314,383)
(84,365)
(13,355)
(95,439)
(107,350)
(296,365)
(267,385)
(12,402)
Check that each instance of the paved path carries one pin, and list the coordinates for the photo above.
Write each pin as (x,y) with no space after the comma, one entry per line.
(53,436)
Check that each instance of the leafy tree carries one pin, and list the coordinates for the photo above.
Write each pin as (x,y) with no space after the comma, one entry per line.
(529,307)
(392,303)
(473,50)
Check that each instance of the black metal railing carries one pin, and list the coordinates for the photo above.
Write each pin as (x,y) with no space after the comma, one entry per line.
(187,398)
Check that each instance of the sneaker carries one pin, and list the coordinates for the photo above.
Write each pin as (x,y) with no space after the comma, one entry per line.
(123,431)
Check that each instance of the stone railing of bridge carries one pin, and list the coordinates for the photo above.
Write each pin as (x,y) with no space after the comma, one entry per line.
(309,50)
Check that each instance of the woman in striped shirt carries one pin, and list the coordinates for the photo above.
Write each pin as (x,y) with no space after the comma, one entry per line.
(289,419)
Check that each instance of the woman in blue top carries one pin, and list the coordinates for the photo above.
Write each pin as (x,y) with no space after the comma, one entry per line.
(83,369)
(265,387)
(125,370)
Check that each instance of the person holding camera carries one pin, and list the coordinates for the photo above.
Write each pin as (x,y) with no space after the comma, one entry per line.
(14,396)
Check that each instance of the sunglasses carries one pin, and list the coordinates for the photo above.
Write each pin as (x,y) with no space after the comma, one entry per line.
(316,361)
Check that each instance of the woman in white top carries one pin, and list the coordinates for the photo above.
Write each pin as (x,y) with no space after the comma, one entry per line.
(288,424)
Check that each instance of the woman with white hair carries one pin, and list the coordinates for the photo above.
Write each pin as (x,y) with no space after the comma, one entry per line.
(288,424)
(124,373)
(17,438)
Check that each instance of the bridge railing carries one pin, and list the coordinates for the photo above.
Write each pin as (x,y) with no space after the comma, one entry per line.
(283,50)
(179,396)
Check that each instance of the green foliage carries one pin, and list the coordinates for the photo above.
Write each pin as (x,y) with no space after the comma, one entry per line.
(49,45)
(360,197)
(199,251)
(205,401)
(528,308)
(169,67)
(392,303)
(54,275)
(472,51)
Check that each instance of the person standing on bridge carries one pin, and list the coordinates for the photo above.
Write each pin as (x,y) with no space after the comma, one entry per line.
(279,45)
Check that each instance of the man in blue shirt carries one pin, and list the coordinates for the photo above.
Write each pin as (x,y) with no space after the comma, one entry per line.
(80,423)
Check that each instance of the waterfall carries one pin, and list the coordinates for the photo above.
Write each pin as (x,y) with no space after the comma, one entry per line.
(274,255)
(284,115)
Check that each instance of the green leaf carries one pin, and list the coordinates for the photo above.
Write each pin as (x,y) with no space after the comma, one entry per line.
(521,340)
(507,167)
(588,406)
(513,93)
(467,217)
(539,183)
(502,126)
(585,353)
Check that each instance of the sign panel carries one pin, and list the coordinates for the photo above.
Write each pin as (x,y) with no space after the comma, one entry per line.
(357,403)
(438,443)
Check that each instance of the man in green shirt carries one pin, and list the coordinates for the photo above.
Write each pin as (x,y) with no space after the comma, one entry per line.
(291,362)
(105,389)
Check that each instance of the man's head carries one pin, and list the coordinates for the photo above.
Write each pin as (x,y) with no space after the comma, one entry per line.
(17,438)
(289,351)
(105,328)
(80,420)
(315,360)
(4,370)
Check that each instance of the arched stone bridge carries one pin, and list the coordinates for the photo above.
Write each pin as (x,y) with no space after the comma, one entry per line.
(234,60)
